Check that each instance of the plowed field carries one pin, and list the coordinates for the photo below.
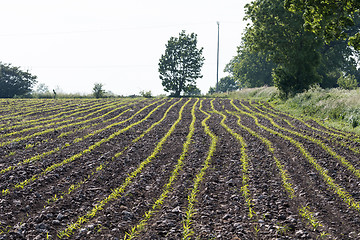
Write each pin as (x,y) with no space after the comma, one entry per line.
(173,169)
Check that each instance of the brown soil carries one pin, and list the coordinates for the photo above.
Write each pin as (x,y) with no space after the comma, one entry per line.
(33,212)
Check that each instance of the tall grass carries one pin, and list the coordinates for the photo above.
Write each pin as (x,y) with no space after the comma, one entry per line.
(335,107)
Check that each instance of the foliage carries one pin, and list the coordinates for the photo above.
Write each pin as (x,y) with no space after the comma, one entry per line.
(180,65)
(281,36)
(146,94)
(329,18)
(337,58)
(14,81)
(42,89)
(347,82)
(192,90)
(250,69)
(98,90)
(212,90)
(227,84)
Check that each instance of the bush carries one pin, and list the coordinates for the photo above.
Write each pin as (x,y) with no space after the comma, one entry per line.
(146,94)
(347,82)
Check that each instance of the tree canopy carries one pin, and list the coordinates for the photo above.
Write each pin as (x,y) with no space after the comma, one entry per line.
(14,81)
(180,65)
(280,34)
(98,90)
(329,19)
(250,68)
(277,49)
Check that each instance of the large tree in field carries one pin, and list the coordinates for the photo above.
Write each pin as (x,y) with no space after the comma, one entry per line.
(14,81)
(180,65)
(281,36)
(329,19)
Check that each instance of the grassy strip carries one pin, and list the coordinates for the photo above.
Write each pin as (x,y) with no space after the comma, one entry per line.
(116,193)
(244,161)
(330,131)
(89,149)
(42,155)
(187,231)
(328,149)
(337,189)
(333,138)
(103,166)
(135,231)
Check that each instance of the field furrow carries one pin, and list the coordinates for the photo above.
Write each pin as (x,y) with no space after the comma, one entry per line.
(173,169)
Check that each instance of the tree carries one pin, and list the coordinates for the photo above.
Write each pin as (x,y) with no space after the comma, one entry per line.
(329,18)
(14,81)
(192,90)
(98,90)
(280,34)
(227,84)
(250,69)
(181,64)
(42,89)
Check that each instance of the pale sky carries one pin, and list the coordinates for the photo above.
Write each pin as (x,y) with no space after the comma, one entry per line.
(72,44)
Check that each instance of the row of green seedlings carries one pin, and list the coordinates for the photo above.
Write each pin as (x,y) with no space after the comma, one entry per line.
(119,191)
(60,114)
(104,165)
(21,109)
(328,149)
(334,137)
(192,197)
(86,151)
(37,126)
(10,104)
(245,160)
(22,113)
(337,189)
(61,123)
(137,229)
(286,179)
(96,170)
(85,126)
(271,114)
(45,154)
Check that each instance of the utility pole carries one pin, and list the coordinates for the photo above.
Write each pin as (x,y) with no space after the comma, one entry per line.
(217,69)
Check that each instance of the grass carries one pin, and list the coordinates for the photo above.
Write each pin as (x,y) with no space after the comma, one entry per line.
(334,107)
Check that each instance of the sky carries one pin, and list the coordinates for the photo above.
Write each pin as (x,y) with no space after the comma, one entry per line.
(72,44)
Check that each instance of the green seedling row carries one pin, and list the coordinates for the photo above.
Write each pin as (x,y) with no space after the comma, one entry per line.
(135,230)
(89,149)
(56,120)
(104,165)
(117,192)
(42,155)
(245,161)
(337,189)
(333,137)
(288,186)
(64,111)
(190,212)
